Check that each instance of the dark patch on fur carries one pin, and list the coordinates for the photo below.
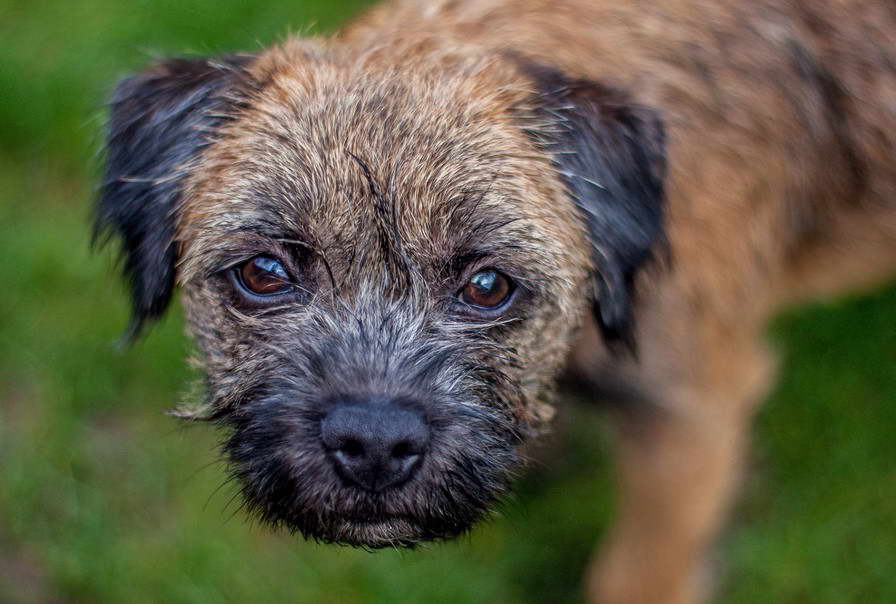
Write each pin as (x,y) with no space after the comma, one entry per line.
(832,99)
(159,122)
(611,155)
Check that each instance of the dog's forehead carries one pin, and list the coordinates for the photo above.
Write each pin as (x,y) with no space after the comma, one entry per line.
(352,154)
(347,160)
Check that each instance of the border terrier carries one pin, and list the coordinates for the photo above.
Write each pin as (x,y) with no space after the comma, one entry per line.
(393,243)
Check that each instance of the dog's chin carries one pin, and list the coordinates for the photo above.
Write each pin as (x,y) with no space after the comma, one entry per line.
(395,532)
(376,532)
(370,532)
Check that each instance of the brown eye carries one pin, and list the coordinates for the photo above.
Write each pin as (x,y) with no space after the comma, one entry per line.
(264,276)
(487,289)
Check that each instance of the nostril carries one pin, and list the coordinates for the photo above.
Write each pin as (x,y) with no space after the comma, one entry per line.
(403,449)
(352,448)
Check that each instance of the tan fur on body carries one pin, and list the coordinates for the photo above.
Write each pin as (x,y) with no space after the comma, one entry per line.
(780,122)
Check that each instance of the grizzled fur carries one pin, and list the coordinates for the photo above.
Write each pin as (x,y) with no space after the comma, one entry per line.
(382,222)
(664,175)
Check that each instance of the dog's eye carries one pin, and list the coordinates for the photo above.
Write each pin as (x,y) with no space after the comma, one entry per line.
(264,276)
(487,289)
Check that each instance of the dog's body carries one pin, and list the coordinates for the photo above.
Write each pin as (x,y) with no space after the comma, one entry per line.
(683,168)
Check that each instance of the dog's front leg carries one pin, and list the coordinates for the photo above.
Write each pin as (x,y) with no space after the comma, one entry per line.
(679,459)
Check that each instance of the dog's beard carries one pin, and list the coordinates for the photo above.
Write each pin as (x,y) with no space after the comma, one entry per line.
(287,479)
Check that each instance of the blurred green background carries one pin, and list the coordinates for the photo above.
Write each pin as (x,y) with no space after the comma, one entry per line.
(105,499)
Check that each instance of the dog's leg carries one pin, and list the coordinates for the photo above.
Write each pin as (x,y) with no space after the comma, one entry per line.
(679,461)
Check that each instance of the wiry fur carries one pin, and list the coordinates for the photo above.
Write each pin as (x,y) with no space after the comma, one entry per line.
(380,243)
(667,174)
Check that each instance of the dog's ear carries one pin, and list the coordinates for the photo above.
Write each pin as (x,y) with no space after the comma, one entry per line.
(159,121)
(610,153)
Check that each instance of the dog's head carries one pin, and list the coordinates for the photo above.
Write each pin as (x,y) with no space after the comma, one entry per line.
(382,266)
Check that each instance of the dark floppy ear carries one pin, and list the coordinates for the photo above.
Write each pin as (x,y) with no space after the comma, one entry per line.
(610,153)
(159,121)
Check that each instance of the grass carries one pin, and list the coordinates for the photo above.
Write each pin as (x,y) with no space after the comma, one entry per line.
(105,499)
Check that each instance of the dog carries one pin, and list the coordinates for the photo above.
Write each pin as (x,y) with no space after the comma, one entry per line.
(394,243)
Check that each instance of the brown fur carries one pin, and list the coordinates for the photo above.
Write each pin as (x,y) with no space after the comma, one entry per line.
(780,124)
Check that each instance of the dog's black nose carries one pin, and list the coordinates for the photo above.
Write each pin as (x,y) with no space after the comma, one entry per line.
(375,445)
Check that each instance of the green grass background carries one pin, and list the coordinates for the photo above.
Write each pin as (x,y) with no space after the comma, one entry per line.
(105,499)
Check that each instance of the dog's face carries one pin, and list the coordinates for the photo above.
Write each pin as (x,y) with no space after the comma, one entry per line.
(382,270)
